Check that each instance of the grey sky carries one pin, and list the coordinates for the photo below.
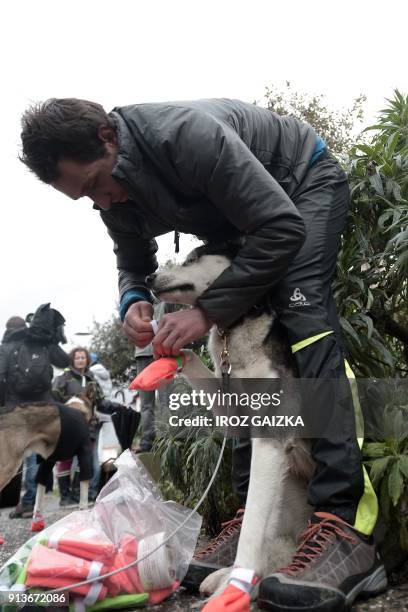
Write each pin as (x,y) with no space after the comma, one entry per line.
(52,249)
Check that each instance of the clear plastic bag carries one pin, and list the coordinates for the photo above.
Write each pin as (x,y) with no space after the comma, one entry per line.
(129,520)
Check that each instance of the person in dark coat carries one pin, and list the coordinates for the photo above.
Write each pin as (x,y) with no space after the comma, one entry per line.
(46,329)
(220,169)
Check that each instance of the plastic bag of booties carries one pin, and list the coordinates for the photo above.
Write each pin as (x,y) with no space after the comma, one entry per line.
(130,522)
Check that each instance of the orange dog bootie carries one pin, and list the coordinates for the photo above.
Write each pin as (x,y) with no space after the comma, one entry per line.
(38,522)
(236,596)
(232,599)
(160,372)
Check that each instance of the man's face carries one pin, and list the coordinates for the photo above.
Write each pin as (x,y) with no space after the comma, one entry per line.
(91,179)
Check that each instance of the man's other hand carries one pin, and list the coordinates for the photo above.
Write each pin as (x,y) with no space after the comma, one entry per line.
(177,329)
(137,325)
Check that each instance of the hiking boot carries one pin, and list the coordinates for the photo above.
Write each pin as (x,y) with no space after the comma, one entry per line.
(21,511)
(332,566)
(219,553)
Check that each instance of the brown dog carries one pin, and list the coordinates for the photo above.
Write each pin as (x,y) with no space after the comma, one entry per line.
(55,432)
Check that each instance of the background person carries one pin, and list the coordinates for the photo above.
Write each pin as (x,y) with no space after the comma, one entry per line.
(78,380)
(18,343)
(143,357)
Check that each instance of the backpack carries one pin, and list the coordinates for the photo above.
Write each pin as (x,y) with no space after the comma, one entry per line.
(30,372)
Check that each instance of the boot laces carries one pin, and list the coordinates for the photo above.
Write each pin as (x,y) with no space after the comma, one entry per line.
(313,542)
(228,529)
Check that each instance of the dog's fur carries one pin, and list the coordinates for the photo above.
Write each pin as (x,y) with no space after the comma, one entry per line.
(276,510)
(34,428)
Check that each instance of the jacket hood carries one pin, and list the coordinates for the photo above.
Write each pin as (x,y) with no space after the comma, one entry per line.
(100,371)
(13,335)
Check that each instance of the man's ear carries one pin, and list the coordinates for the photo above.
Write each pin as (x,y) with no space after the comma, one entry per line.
(107,134)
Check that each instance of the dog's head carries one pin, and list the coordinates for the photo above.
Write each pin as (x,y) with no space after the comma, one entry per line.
(184,283)
(82,403)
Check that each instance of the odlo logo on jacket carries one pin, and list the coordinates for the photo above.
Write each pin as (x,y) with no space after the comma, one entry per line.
(298,299)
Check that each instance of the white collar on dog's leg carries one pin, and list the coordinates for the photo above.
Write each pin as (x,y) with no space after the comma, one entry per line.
(243,579)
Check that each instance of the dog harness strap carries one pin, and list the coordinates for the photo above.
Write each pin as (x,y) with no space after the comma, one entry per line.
(304,343)
(155,326)
(243,578)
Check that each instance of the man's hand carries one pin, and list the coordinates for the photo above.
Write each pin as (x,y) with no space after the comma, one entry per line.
(137,325)
(177,329)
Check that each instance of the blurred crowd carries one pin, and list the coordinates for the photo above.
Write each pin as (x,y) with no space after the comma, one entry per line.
(35,368)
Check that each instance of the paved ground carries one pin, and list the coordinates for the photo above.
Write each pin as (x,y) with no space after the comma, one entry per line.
(17,531)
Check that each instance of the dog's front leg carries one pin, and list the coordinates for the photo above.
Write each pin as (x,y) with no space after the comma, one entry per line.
(266,485)
(83,494)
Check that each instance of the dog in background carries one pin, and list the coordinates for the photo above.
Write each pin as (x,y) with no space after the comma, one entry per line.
(276,510)
(54,431)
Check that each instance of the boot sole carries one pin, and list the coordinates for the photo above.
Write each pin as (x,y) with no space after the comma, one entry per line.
(371,585)
(196,573)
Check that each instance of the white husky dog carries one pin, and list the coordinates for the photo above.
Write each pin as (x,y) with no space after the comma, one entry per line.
(276,510)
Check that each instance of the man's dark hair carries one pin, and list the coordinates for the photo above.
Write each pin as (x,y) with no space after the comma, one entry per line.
(61,128)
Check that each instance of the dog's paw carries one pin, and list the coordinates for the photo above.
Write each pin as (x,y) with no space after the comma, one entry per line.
(231,598)
(37,525)
(215,582)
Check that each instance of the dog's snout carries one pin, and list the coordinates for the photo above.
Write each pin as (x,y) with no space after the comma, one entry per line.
(150,279)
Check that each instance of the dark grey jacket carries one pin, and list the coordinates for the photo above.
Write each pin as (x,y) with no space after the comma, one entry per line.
(216,169)
(11,342)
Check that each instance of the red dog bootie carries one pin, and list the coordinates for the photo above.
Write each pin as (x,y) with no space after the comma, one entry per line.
(1,541)
(232,599)
(236,596)
(160,372)
(38,522)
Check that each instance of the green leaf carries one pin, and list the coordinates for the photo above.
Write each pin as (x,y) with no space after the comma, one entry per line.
(376,183)
(369,323)
(350,330)
(403,465)
(378,469)
(382,351)
(375,449)
(392,143)
(395,483)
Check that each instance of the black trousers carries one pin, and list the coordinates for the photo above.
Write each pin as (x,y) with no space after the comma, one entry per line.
(305,307)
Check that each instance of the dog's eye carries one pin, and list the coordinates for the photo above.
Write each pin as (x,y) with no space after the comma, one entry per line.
(190,259)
